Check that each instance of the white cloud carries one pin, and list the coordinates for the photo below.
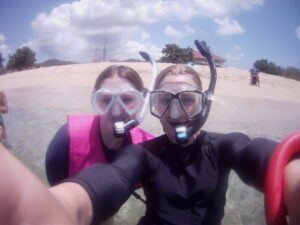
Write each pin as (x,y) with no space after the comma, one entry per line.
(221,8)
(228,27)
(236,47)
(75,31)
(2,38)
(173,32)
(236,53)
(188,30)
(4,49)
(131,49)
(298,32)
(145,35)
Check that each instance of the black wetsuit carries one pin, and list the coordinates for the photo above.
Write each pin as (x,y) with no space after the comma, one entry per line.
(183,186)
(57,155)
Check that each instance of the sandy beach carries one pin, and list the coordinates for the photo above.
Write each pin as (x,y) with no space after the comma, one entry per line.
(231,82)
(40,99)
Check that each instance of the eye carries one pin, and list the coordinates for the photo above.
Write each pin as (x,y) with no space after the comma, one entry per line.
(164,100)
(127,99)
(187,100)
(105,100)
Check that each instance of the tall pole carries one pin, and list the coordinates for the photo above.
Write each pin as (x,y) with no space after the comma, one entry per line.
(104,51)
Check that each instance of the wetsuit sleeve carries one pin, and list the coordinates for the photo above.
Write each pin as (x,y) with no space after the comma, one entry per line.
(249,158)
(110,185)
(57,156)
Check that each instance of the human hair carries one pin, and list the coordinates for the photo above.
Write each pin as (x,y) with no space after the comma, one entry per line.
(176,70)
(124,72)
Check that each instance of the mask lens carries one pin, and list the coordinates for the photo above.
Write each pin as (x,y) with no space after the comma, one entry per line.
(131,101)
(191,102)
(103,101)
(159,102)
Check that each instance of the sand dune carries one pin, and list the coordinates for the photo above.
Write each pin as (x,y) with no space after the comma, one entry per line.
(231,82)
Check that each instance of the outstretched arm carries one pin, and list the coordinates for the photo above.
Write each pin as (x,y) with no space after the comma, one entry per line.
(25,200)
(292,191)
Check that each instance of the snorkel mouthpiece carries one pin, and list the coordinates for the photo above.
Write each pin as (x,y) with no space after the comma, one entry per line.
(181,135)
(182,132)
(120,128)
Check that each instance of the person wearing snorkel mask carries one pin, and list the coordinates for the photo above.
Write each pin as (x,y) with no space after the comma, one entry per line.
(184,182)
(177,101)
(87,139)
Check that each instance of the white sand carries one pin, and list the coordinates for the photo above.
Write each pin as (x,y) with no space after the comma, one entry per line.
(231,82)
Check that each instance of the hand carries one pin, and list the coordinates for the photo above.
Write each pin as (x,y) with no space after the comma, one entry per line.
(292,191)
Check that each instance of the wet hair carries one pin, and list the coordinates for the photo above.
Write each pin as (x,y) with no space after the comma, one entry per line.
(124,72)
(176,70)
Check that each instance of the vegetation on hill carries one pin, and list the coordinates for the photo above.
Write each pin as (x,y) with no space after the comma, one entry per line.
(132,60)
(1,61)
(269,67)
(54,62)
(22,59)
(174,54)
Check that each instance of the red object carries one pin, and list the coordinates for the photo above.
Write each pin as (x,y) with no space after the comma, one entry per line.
(274,202)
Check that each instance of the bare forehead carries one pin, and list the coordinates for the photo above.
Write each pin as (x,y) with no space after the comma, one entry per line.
(180,80)
(116,82)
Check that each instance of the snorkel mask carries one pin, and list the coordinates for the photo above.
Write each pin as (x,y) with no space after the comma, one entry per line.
(130,100)
(182,132)
(115,100)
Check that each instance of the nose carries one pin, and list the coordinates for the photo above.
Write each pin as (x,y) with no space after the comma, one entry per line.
(116,109)
(175,109)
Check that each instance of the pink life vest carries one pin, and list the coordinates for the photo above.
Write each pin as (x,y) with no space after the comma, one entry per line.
(85,145)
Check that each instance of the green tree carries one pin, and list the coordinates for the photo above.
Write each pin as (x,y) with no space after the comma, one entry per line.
(1,61)
(292,72)
(174,54)
(271,68)
(268,67)
(22,59)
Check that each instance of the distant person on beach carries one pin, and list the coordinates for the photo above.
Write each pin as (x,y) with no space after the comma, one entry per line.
(254,78)
(184,183)
(3,109)
(88,139)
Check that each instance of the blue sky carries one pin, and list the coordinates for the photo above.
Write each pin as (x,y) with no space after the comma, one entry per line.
(241,31)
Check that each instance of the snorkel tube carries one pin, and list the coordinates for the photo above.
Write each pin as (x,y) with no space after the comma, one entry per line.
(147,57)
(120,128)
(182,132)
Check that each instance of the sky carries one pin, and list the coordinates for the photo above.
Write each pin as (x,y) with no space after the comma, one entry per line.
(241,31)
